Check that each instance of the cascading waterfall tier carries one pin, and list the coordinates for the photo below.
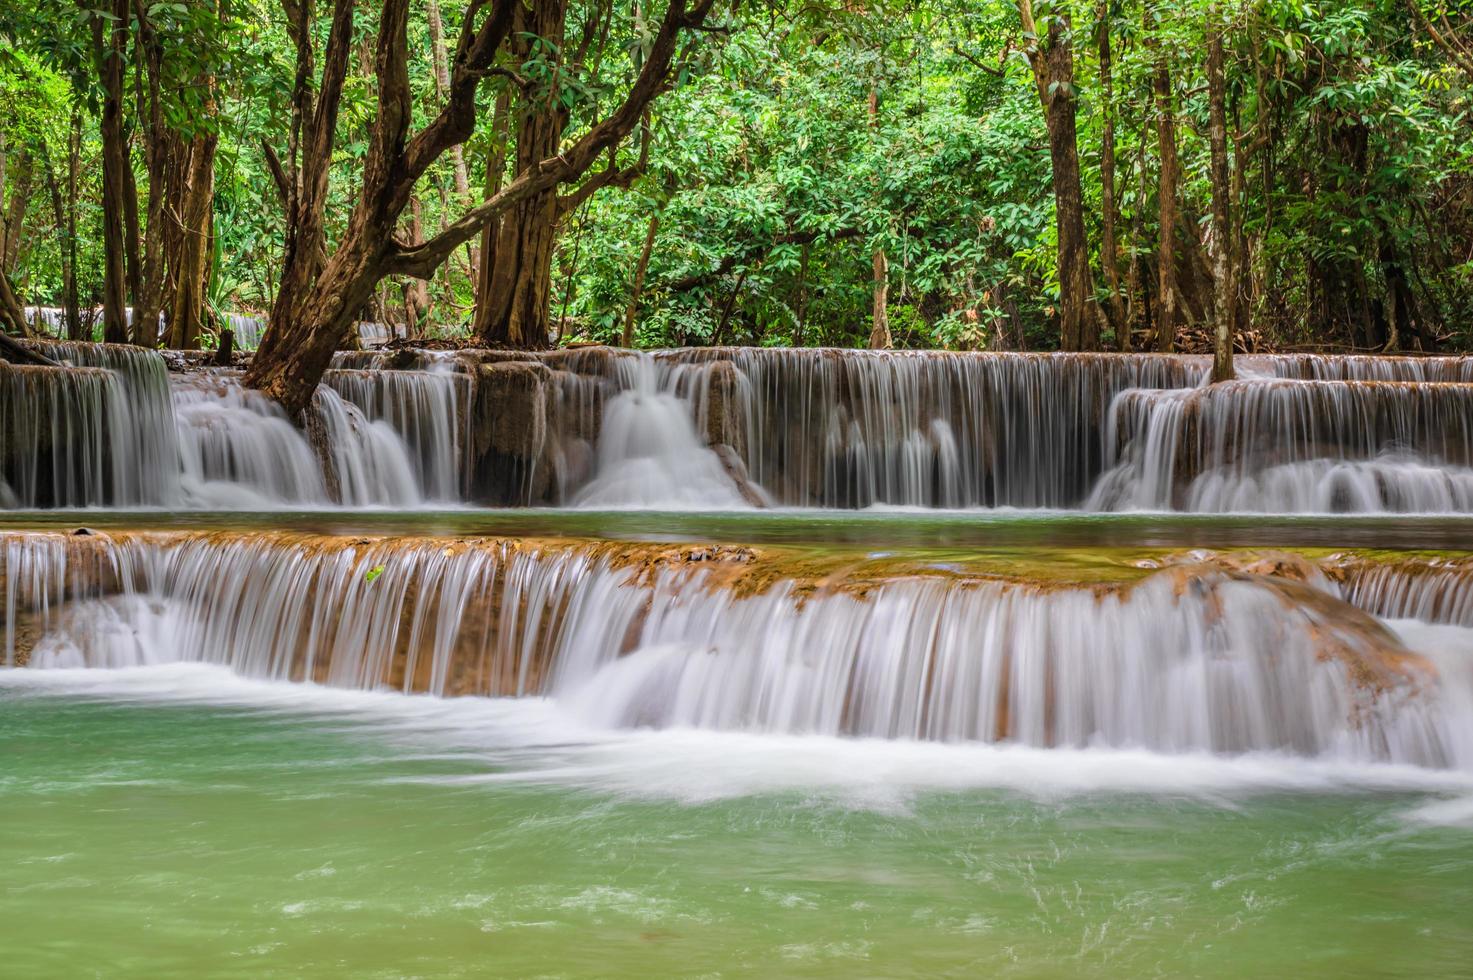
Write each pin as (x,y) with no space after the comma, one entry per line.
(838,428)
(98,431)
(1191,657)
(1276,446)
(112,427)
(728,428)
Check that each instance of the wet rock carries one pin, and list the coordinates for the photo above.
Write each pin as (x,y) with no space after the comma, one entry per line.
(509,434)
(736,469)
(510,408)
(723,410)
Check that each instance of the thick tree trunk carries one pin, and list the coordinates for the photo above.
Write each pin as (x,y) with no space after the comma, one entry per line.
(516,309)
(1166,292)
(188,315)
(1109,248)
(496,157)
(310,320)
(1052,60)
(1224,272)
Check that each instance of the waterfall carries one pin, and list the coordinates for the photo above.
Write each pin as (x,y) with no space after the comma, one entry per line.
(247,330)
(99,431)
(112,428)
(648,453)
(854,428)
(238,450)
(1193,658)
(1277,445)
(725,428)
(426,409)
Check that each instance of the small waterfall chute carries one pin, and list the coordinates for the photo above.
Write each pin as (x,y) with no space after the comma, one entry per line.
(649,455)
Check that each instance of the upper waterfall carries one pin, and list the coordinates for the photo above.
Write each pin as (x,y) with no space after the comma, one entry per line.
(721,428)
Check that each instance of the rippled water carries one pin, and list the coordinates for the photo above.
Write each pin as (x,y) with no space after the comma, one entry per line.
(179,821)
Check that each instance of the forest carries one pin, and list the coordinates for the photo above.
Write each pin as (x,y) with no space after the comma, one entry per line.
(1270,175)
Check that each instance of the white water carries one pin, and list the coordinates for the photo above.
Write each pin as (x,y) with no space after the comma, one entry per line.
(1179,663)
(1287,446)
(117,430)
(238,450)
(534,741)
(730,428)
(649,455)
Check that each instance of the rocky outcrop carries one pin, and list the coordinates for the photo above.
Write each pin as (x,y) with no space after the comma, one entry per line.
(509,434)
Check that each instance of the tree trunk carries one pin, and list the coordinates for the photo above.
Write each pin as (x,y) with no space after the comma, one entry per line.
(67,246)
(1109,249)
(457,152)
(314,314)
(188,316)
(416,291)
(496,155)
(516,309)
(138,333)
(1166,293)
(109,40)
(1052,61)
(1224,272)
(150,300)
(73,180)
(879,334)
(631,312)
(800,307)
(16,198)
(12,311)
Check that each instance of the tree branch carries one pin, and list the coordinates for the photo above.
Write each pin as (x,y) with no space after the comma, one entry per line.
(422,260)
(278,175)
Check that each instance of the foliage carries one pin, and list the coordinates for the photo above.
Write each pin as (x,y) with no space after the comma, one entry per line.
(774,182)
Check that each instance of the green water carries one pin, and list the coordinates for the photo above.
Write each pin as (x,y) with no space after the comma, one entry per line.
(891,529)
(177,823)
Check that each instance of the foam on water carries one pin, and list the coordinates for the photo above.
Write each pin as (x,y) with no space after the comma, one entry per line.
(650,457)
(534,741)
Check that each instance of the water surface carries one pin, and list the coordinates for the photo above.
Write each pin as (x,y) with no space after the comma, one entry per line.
(178,821)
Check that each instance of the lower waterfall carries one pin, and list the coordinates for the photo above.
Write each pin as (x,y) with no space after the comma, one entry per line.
(1193,658)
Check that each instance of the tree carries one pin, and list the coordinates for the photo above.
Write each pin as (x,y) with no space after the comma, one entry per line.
(315,311)
(1052,59)
(1166,188)
(1224,268)
(109,49)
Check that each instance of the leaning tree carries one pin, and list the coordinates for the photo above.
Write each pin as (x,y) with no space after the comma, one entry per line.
(321,293)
